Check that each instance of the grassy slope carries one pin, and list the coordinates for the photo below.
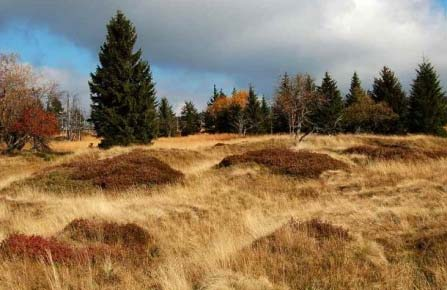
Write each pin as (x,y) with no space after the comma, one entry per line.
(205,225)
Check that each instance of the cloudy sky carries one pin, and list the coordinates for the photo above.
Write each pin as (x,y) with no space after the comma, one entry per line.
(192,44)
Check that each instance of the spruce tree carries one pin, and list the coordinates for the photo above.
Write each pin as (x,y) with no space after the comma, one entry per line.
(266,117)
(327,114)
(189,119)
(279,116)
(253,112)
(122,90)
(388,89)
(355,91)
(166,119)
(428,105)
(209,120)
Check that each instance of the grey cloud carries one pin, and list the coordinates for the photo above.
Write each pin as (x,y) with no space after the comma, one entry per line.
(256,41)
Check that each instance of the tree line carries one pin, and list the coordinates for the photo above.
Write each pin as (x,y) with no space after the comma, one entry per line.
(125,108)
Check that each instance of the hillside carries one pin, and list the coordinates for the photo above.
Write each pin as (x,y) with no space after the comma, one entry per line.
(339,212)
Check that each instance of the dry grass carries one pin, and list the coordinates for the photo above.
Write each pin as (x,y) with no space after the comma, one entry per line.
(384,221)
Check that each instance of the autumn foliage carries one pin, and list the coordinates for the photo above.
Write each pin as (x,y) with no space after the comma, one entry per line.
(35,122)
(223,102)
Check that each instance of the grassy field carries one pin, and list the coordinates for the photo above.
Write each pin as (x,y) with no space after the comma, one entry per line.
(377,222)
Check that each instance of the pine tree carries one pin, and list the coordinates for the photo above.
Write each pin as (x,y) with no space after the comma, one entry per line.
(355,91)
(189,119)
(122,90)
(279,115)
(234,92)
(387,88)
(253,112)
(214,97)
(327,114)
(428,104)
(166,119)
(209,120)
(266,117)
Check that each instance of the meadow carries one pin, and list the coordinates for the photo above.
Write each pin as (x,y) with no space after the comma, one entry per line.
(334,212)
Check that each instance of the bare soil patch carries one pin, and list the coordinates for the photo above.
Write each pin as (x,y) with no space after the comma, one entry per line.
(302,164)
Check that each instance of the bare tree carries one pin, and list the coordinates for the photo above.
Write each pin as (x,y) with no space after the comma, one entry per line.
(73,118)
(298,98)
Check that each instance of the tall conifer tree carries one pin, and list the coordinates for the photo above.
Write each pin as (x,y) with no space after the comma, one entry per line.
(388,89)
(266,116)
(428,105)
(279,116)
(166,118)
(355,91)
(122,90)
(253,112)
(326,117)
(189,119)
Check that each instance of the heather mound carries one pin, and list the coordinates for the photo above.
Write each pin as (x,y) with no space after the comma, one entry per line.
(296,163)
(82,241)
(49,250)
(123,171)
(396,152)
(315,228)
(129,235)
(299,254)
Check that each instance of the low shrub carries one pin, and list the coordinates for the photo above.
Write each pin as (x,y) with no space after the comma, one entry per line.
(315,228)
(40,248)
(307,255)
(123,171)
(129,235)
(302,164)
(396,152)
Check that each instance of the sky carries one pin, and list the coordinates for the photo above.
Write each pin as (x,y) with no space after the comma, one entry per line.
(194,44)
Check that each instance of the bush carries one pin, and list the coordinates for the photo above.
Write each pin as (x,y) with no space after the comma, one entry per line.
(123,171)
(396,152)
(302,164)
(307,255)
(129,235)
(367,116)
(39,248)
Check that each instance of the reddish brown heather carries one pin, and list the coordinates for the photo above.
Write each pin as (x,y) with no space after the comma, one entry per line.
(129,235)
(315,228)
(396,152)
(123,171)
(307,255)
(40,248)
(296,163)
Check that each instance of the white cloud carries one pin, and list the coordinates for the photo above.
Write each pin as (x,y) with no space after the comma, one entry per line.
(69,81)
